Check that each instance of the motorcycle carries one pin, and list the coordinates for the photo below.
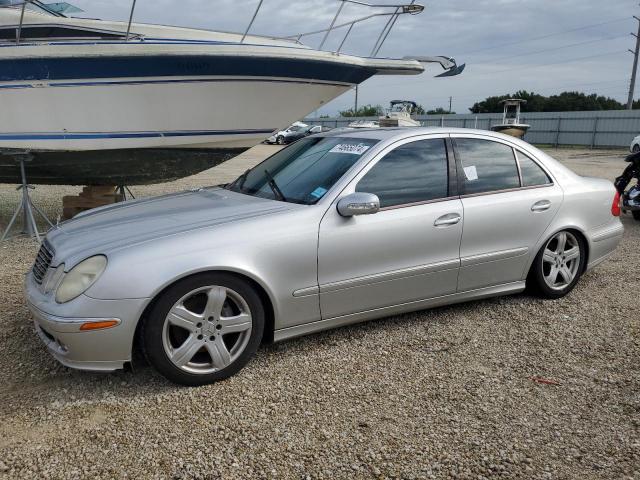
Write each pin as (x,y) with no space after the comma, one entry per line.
(631,197)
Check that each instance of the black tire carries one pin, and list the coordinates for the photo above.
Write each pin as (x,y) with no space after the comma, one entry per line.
(636,148)
(280,140)
(636,214)
(536,283)
(152,328)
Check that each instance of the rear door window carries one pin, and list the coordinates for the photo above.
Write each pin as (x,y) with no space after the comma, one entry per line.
(532,174)
(487,166)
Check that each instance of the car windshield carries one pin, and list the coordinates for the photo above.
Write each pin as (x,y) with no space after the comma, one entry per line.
(304,171)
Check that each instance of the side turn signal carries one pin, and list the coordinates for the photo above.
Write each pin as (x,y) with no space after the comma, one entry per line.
(99,325)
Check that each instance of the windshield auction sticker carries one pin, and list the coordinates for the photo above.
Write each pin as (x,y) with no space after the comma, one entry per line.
(353,148)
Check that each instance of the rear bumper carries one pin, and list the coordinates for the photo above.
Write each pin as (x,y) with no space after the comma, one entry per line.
(604,242)
(58,327)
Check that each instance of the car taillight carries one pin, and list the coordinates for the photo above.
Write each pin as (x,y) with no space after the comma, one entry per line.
(615,206)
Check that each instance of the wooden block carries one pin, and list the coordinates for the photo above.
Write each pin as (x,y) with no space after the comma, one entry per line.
(90,197)
(100,190)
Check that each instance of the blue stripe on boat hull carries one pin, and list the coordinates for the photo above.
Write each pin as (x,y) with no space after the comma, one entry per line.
(168,81)
(80,68)
(115,135)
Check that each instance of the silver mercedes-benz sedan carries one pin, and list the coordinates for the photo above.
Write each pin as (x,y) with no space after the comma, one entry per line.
(332,230)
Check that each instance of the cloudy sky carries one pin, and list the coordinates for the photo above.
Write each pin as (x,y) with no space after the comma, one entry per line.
(547,46)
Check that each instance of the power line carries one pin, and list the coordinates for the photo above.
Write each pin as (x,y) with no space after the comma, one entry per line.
(541,37)
(403,83)
(525,54)
(619,84)
(531,39)
(553,49)
(588,57)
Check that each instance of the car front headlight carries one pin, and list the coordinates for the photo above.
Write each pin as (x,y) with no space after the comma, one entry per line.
(80,278)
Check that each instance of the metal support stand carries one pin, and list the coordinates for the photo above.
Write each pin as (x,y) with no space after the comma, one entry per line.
(26,206)
(124,190)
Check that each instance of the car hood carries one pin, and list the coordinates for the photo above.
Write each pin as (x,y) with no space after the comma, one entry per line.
(107,229)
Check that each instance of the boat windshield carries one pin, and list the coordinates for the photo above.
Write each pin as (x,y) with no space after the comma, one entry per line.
(34,6)
(401,107)
(305,171)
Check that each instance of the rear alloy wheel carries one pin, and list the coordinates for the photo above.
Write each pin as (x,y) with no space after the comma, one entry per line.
(204,329)
(559,265)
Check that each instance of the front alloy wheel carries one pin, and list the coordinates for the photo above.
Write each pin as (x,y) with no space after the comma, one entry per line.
(559,265)
(204,328)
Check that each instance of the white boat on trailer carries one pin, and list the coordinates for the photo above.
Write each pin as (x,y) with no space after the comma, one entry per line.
(399,114)
(122,103)
(511,124)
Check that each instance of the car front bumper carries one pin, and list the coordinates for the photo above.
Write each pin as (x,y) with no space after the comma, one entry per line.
(58,326)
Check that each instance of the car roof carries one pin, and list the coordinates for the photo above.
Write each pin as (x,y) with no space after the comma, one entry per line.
(398,133)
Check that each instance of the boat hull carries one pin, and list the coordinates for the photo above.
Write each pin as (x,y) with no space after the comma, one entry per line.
(398,122)
(173,96)
(99,126)
(138,166)
(155,113)
(517,131)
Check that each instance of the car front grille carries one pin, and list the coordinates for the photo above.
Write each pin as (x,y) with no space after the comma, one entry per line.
(42,263)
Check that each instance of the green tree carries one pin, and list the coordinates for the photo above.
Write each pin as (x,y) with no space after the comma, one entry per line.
(364,111)
(578,101)
(440,111)
(565,101)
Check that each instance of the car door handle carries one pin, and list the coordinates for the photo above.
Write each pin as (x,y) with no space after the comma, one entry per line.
(541,206)
(447,220)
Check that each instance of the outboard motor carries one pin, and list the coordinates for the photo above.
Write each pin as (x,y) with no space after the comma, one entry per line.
(630,198)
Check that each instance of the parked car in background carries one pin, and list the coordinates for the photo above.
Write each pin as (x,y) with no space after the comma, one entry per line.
(287,131)
(635,145)
(296,133)
(334,229)
(303,132)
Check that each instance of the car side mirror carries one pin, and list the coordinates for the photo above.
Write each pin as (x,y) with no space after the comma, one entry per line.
(358,203)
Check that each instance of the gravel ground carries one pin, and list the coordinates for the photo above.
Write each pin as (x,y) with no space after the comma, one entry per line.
(445,393)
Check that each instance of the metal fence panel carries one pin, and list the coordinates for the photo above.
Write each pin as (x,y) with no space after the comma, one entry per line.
(611,128)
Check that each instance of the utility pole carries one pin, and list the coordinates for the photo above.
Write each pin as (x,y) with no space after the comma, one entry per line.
(450,100)
(635,52)
(355,106)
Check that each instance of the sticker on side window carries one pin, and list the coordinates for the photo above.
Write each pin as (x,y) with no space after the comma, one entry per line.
(471,173)
(353,148)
